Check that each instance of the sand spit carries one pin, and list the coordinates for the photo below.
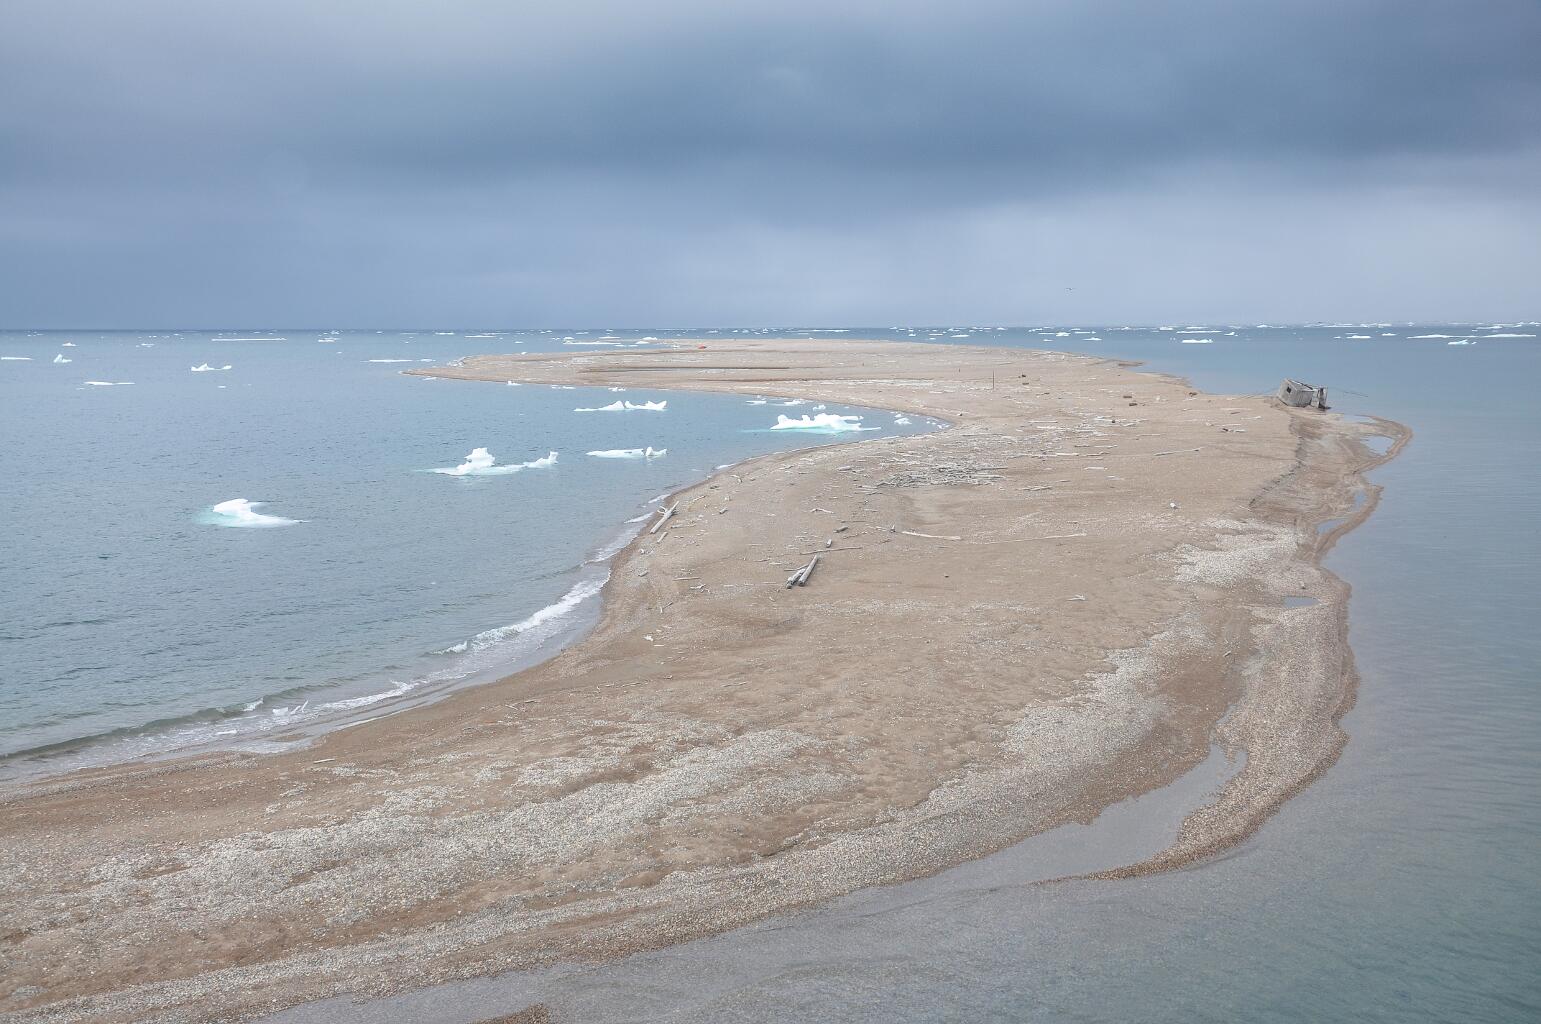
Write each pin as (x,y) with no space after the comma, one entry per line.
(1057,603)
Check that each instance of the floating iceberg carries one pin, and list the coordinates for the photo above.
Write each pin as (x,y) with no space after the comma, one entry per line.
(482,463)
(631,453)
(1198,341)
(206,368)
(60,359)
(238,512)
(619,406)
(823,423)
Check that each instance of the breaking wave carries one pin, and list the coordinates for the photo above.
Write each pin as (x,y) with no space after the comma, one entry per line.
(552,613)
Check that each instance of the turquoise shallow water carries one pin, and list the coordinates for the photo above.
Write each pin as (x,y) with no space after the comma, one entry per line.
(135,618)
(1400,887)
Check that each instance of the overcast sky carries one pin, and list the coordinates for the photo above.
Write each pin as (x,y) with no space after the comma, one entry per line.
(338,163)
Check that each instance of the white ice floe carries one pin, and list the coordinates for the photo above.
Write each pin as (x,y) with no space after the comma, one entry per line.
(570,341)
(67,344)
(481,462)
(59,358)
(1357,337)
(758,401)
(823,423)
(108,383)
(1426,337)
(16,359)
(392,360)
(1461,341)
(206,368)
(901,421)
(1508,335)
(257,338)
(631,453)
(1198,341)
(620,406)
(238,512)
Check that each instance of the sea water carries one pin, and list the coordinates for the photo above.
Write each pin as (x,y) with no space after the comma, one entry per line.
(1402,886)
(234,538)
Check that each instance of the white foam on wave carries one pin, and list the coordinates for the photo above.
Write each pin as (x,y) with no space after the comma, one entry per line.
(66,344)
(1197,341)
(620,406)
(206,368)
(631,453)
(481,462)
(569,341)
(823,423)
(238,512)
(16,359)
(581,591)
(261,338)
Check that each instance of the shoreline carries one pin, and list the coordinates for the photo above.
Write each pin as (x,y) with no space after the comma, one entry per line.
(111,751)
(752,809)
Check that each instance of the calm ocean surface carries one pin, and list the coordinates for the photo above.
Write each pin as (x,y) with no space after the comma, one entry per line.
(1404,886)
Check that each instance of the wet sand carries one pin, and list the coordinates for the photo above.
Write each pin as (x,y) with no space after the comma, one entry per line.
(1057,603)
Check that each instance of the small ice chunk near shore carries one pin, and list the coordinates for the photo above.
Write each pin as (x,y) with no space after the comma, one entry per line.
(481,462)
(619,406)
(824,422)
(631,453)
(206,368)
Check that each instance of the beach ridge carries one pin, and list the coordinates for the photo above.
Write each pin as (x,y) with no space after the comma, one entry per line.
(1060,601)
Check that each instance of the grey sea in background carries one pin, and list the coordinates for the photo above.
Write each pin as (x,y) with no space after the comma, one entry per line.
(1403,886)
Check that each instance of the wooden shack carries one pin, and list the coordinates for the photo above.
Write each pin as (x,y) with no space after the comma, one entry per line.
(1302,396)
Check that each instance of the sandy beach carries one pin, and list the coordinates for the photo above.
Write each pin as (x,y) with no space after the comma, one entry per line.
(1064,599)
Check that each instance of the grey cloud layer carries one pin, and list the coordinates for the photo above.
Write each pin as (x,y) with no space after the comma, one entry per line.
(491,163)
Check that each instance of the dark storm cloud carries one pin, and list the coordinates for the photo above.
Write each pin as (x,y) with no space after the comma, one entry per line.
(499,163)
